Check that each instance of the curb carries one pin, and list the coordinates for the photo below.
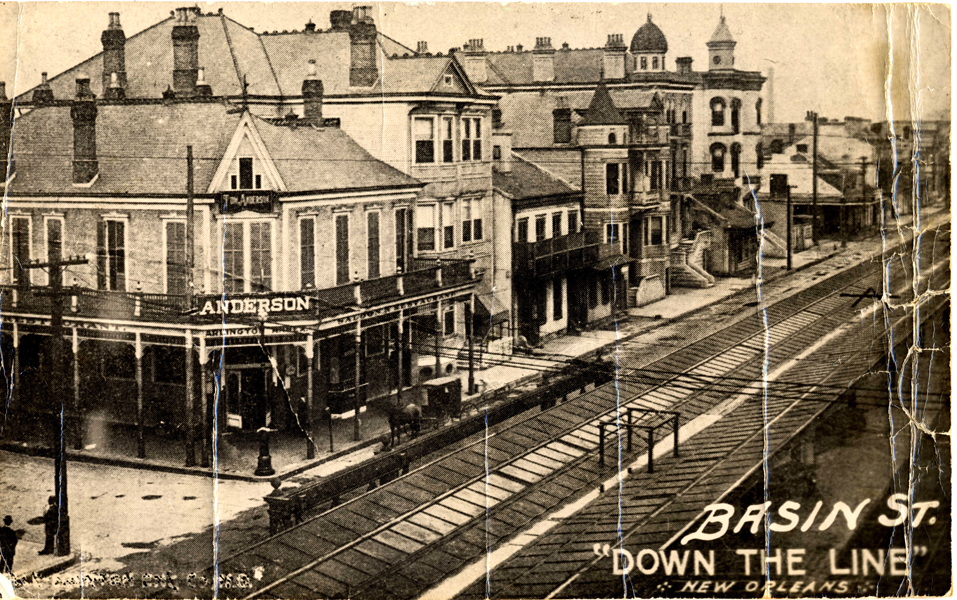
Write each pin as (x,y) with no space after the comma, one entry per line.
(197,471)
(60,565)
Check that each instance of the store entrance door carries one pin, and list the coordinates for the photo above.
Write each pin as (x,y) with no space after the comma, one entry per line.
(247,397)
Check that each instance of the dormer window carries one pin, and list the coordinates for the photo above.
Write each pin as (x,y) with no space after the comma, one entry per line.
(246,179)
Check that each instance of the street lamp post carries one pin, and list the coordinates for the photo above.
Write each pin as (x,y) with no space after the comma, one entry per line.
(264,464)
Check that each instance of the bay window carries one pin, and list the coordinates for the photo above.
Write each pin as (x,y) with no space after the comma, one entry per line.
(425,227)
(471,138)
(448,139)
(448,226)
(423,131)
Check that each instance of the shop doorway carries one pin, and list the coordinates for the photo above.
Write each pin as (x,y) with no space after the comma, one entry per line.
(247,397)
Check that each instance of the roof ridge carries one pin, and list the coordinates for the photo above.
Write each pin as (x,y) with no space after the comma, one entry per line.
(91,58)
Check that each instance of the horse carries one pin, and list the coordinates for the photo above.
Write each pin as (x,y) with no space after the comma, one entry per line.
(399,417)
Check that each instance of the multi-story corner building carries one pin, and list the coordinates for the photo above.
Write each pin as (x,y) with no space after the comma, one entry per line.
(313,286)
(414,111)
(684,144)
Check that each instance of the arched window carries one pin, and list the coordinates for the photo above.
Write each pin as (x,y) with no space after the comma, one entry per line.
(717,112)
(736,159)
(654,63)
(735,115)
(644,63)
(612,139)
(757,109)
(717,157)
(759,150)
(684,116)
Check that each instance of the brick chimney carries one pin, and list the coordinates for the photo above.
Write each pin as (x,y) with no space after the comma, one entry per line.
(614,56)
(422,47)
(114,52)
(312,96)
(6,124)
(543,60)
(185,52)
(684,64)
(310,27)
(43,94)
(83,112)
(340,20)
(113,90)
(203,89)
(362,37)
(475,61)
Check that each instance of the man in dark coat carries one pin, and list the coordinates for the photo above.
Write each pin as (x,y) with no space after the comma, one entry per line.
(51,519)
(8,545)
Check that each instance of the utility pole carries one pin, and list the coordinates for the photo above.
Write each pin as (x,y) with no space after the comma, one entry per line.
(790,221)
(470,333)
(190,383)
(55,377)
(812,116)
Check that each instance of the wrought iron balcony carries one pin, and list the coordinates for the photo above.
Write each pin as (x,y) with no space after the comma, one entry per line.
(425,277)
(555,255)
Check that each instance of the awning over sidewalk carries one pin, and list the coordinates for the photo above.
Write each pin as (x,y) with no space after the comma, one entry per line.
(611,262)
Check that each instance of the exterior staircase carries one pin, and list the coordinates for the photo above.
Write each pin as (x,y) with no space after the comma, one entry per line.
(687,262)
(774,245)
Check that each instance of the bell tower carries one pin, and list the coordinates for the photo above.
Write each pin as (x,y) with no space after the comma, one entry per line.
(721,48)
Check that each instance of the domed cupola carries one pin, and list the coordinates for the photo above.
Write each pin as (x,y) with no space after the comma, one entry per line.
(649,47)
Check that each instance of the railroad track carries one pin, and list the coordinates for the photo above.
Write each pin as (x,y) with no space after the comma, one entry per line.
(403,537)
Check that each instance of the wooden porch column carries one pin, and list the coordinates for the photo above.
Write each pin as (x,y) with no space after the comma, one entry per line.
(310,360)
(16,361)
(204,418)
(438,339)
(356,433)
(190,403)
(78,434)
(140,433)
(400,355)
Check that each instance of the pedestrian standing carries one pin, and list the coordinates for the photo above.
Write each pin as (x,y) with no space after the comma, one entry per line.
(8,545)
(51,520)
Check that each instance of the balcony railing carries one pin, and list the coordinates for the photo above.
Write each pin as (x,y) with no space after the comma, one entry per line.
(681,130)
(426,276)
(650,135)
(555,255)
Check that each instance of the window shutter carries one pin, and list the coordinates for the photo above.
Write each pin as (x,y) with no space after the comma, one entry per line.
(101,255)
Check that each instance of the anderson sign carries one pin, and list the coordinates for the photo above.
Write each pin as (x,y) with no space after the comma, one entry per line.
(254,305)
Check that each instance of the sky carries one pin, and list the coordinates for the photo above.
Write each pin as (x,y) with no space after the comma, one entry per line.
(835,59)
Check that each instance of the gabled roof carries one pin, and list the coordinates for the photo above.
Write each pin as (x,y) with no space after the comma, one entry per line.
(227,51)
(271,64)
(423,74)
(527,180)
(141,150)
(602,110)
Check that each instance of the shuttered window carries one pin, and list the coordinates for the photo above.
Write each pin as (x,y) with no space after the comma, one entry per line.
(342,249)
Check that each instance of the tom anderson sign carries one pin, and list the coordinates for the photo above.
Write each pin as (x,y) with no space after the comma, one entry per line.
(256,201)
